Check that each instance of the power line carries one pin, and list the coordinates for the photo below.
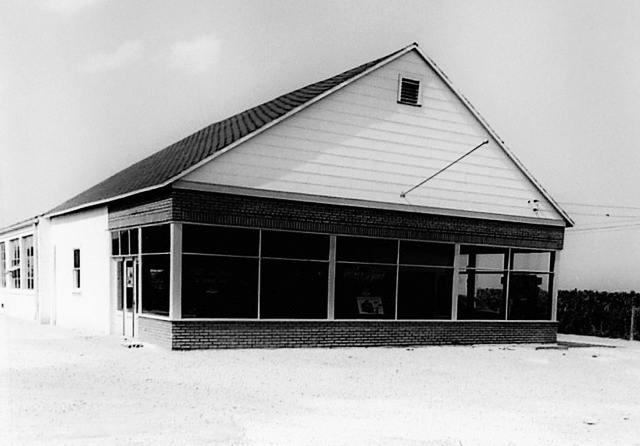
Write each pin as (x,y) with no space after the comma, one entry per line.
(636,224)
(606,206)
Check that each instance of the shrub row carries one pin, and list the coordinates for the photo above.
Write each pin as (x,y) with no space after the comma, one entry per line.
(598,313)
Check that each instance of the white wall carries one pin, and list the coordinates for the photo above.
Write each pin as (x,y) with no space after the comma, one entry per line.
(88,308)
(359,143)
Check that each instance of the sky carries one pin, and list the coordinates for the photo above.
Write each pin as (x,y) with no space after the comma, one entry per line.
(88,87)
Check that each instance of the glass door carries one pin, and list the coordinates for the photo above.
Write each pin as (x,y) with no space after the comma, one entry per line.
(128,295)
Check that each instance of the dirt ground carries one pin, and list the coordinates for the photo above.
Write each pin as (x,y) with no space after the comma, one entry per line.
(64,387)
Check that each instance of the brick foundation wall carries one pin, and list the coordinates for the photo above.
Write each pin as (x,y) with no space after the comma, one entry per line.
(155,331)
(190,335)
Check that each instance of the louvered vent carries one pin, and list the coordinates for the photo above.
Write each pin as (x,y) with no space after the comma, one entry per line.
(409,91)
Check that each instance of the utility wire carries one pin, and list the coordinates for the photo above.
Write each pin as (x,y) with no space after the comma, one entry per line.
(598,228)
(606,206)
(404,194)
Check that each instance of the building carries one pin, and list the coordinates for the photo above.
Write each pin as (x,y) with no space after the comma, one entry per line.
(375,207)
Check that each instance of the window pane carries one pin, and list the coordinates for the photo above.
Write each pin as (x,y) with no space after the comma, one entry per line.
(76,258)
(155,284)
(424,293)
(293,289)
(481,257)
(30,261)
(124,243)
(155,239)
(295,245)
(133,241)
(531,261)
(14,250)
(76,278)
(219,287)
(119,284)
(220,240)
(365,291)
(530,297)
(369,250)
(481,296)
(423,253)
(115,243)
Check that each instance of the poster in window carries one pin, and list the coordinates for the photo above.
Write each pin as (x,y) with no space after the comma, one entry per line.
(129,276)
(368,305)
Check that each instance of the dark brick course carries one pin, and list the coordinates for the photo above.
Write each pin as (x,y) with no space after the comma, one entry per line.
(270,213)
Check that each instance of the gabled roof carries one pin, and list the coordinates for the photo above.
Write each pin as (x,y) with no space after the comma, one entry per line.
(168,164)
(179,159)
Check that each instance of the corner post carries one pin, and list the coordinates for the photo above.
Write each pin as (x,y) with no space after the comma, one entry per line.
(175,271)
(554,290)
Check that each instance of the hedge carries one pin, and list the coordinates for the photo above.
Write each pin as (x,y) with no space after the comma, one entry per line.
(598,313)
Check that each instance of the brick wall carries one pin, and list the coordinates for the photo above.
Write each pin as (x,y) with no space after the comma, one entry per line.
(189,335)
(166,205)
(270,213)
(143,209)
(155,331)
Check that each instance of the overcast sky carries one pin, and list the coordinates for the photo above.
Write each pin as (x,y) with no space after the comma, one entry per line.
(88,87)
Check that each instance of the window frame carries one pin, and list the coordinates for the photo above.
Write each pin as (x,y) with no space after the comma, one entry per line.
(15,263)
(3,265)
(76,277)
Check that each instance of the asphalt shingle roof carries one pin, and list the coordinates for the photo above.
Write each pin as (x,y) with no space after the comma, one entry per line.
(170,162)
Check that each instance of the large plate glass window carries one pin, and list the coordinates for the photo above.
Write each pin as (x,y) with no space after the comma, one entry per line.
(219,272)
(425,280)
(154,268)
(294,275)
(366,271)
(530,285)
(482,282)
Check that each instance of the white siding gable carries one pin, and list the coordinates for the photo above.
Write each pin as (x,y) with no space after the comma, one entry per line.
(359,143)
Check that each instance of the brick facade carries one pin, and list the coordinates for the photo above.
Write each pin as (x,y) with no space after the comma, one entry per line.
(193,335)
(176,205)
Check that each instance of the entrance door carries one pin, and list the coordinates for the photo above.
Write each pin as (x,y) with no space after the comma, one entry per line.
(128,295)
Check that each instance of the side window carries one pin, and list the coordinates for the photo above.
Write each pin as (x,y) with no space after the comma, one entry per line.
(14,252)
(3,265)
(29,262)
(76,269)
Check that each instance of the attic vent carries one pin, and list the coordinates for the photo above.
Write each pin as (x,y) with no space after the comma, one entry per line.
(409,91)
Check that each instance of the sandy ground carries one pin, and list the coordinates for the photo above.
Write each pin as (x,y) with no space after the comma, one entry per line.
(64,387)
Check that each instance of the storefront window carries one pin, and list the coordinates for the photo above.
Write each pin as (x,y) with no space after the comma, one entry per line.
(155,239)
(219,287)
(530,285)
(293,289)
(482,282)
(425,280)
(155,284)
(424,293)
(294,275)
(295,245)
(481,295)
(489,276)
(220,240)
(365,291)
